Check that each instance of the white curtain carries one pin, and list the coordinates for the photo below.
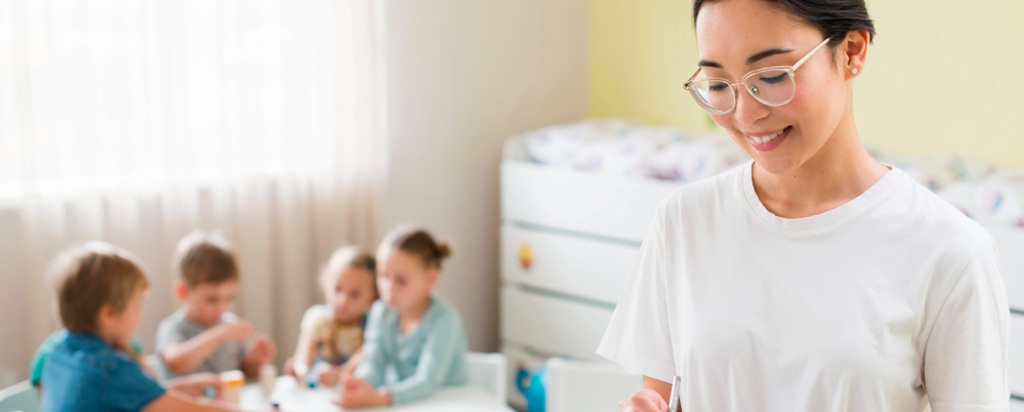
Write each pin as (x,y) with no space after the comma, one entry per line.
(137,121)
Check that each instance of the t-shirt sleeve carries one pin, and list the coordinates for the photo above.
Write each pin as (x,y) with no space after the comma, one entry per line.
(638,334)
(373,364)
(168,334)
(966,354)
(128,388)
(36,367)
(313,316)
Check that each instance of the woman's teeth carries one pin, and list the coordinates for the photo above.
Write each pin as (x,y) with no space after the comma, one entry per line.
(766,139)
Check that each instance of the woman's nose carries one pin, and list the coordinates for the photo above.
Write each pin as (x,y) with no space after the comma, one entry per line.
(748,109)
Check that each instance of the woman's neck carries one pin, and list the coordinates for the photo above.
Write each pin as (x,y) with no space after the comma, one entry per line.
(839,172)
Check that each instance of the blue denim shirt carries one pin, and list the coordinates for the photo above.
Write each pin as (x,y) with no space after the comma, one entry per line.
(85,373)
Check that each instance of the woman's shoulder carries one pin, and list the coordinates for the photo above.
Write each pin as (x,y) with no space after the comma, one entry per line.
(704,197)
(938,217)
(936,224)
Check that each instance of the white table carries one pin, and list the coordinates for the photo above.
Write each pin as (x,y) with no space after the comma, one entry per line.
(293,398)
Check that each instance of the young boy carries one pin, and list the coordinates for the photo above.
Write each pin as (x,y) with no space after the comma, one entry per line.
(203,336)
(100,289)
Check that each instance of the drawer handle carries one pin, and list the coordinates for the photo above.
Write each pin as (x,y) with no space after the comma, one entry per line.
(525,256)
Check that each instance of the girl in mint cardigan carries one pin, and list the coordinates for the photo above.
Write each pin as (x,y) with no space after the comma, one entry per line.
(415,341)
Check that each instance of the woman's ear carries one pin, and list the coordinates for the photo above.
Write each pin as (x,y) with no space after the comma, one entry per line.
(854,51)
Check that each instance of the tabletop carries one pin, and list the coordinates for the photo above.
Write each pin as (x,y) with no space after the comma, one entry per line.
(294,398)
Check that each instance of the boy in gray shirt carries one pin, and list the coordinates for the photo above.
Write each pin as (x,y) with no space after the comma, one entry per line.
(203,336)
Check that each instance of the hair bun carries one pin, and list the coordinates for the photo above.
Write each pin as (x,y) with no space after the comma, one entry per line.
(444,250)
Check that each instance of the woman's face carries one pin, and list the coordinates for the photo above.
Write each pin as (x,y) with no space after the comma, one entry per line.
(732,38)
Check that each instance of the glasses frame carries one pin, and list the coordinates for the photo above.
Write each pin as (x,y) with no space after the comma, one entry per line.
(790,70)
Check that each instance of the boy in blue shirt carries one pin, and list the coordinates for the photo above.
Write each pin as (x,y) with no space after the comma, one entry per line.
(100,290)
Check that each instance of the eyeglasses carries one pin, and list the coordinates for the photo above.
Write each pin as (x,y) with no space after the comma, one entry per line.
(772,86)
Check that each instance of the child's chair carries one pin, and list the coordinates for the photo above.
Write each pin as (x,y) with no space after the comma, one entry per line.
(21,396)
(487,371)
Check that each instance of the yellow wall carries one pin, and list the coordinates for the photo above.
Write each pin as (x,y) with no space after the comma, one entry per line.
(943,75)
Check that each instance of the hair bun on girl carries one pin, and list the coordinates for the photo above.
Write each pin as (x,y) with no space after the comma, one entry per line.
(444,250)
(418,242)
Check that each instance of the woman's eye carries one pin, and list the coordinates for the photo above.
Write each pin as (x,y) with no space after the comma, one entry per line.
(718,87)
(774,79)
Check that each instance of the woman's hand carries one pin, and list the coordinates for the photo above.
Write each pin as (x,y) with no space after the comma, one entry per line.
(644,400)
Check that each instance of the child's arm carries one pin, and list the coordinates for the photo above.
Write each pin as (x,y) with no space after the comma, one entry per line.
(195,384)
(184,357)
(439,351)
(373,359)
(303,357)
(176,402)
(349,367)
(261,352)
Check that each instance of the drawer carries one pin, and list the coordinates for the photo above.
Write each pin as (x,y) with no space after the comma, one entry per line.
(585,267)
(595,203)
(552,325)
(1017,354)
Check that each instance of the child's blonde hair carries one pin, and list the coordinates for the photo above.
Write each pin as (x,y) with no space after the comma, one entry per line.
(92,275)
(348,257)
(419,243)
(205,258)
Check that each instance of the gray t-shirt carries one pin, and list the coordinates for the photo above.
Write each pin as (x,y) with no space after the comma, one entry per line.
(177,328)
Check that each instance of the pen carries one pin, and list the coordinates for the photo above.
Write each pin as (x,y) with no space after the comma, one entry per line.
(673,398)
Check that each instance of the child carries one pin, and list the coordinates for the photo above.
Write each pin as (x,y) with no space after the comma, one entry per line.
(415,340)
(332,334)
(100,289)
(35,368)
(203,336)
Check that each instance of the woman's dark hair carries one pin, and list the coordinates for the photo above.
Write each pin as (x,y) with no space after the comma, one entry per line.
(834,18)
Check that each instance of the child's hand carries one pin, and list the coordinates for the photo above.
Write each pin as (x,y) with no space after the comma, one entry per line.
(238,331)
(262,349)
(355,392)
(327,375)
(289,368)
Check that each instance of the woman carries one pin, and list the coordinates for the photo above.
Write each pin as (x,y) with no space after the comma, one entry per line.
(813,278)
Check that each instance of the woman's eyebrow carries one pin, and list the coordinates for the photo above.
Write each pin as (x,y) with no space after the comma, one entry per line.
(765,53)
(751,60)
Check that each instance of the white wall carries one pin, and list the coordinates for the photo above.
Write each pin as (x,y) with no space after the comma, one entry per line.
(464,75)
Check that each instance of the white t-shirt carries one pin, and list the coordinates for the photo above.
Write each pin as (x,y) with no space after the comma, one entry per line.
(866,307)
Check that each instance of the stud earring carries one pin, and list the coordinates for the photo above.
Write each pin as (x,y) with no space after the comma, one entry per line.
(854,70)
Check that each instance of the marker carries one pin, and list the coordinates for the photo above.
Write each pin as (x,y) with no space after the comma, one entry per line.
(673,398)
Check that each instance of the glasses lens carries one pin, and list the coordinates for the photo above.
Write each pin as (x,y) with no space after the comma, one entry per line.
(773,87)
(715,96)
